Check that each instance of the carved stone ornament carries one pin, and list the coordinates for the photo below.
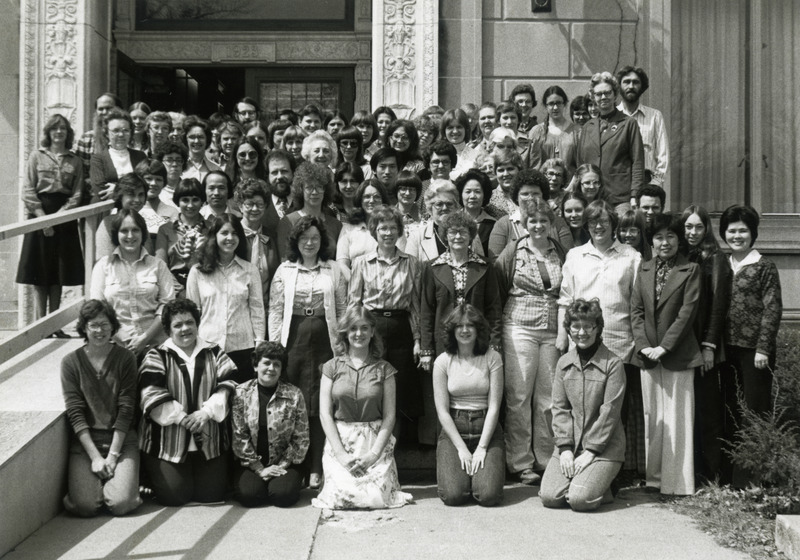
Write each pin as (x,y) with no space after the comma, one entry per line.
(60,57)
(399,59)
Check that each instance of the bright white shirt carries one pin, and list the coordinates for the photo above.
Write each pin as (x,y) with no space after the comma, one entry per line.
(654,138)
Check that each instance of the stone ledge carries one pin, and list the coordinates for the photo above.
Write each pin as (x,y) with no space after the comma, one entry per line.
(787,535)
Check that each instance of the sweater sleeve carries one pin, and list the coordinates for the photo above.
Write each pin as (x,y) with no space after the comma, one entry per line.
(74,400)
(773,309)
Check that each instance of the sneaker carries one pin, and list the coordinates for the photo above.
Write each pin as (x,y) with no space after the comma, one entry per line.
(529,477)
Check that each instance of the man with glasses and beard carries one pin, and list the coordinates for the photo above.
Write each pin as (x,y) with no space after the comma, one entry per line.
(633,83)
(280,172)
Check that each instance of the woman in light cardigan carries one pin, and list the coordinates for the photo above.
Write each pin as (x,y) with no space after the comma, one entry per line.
(307,297)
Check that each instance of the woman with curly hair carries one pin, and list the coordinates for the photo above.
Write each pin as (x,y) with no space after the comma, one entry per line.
(227,288)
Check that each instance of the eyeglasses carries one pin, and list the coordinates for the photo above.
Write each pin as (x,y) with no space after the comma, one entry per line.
(604,222)
(313,188)
(554,174)
(172,161)
(440,163)
(604,93)
(443,205)
(400,137)
(457,233)
(98,326)
(555,104)
(310,240)
(247,155)
(250,205)
(371,197)
(576,329)
(590,183)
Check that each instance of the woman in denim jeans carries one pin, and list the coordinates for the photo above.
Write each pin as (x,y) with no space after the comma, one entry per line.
(468,389)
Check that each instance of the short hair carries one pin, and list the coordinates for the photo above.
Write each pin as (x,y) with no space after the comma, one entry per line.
(305,151)
(653,191)
(273,127)
(384,110)
(434,110)
(94,308)
(740,213)
(127,185)
(578,104)
(604,77)
(288,115)
(209,254)
(595,211)
(533,207)
(555,163)
(709,244)
(385,213)
(483,180)
(351,133)
(193,121)
(55,120)
(508,107)
(188,187)
(231,126)
(382,154)
(310,172)
(303,225)
(633,218)
(170,147)
(460,220)
(116,224)
(507,157)
(467,312)
(176,307)
(113,96)
(523,88)
(438,187)
(294,132)
(427,124)
(271,350)
(670,222)
(151,167)
(365,118)
(310,109)
(642,75)
(357,312)
(218,173)
(251,188)
(456,116)
(555,90)
(158,117)
(440,147)
(279,153)
(582,310)
(501,134)
(117,114)
(248,101)
(530,177)
(409,179)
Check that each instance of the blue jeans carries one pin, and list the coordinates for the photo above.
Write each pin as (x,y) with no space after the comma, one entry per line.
(455,485)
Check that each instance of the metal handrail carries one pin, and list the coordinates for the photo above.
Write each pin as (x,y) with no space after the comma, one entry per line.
(36,331)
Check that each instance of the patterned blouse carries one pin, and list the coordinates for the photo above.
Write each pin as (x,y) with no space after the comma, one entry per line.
(533,294)
(756,307)
(287,425)
(459,272)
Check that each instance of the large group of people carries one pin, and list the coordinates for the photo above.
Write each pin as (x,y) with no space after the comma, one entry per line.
(279,304)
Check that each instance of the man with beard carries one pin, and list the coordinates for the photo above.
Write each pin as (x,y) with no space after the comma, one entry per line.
(633,83)
(95,139)
(280,172)
(246,112)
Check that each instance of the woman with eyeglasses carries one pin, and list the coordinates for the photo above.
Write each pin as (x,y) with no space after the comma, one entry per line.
(248,162)
(109,165)
(458,275)
(557,136)
(356,239)
(588,390)
(403,138)
(262,249)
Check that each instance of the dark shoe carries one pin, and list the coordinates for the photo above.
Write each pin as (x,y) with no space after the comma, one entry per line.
(60,334)
(527,476)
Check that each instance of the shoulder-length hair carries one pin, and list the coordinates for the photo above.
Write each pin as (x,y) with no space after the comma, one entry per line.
(466,313)
(303,225)
(209,256)
(634,218)
(53,122)
(237,169)
(597,209)
(94,308)
(273,127)
(359,216)
(355,313)
(410,129)
(128,184)
(709,244)
(455,116)
(352,133)
(365,118)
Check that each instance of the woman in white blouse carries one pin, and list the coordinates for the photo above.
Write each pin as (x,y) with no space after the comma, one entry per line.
(307,297)
(108,165)
(228,290)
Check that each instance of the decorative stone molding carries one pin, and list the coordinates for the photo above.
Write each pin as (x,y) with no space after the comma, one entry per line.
(405,55)
(60,54)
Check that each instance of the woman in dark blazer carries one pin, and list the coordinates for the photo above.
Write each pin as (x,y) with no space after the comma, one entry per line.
(613,142)
(459,275)
(117,159)
(663,311)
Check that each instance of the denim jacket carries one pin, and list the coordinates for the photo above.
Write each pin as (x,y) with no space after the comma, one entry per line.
(287,423)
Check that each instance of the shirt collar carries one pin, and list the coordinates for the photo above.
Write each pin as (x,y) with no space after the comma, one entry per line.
(374,256)
(447,258)
(752,258)
(199,347)
(142,254)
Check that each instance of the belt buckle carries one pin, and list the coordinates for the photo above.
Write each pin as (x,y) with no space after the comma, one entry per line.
(308,312)
(387,313)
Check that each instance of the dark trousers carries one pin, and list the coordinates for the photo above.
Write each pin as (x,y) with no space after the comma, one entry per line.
(194,480)
(244,364)
(709,422)
(755,386)
(281,491)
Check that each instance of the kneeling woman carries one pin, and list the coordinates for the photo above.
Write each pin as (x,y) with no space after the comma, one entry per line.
(467,390)
(184,386)
(357,409)
(270,432)
(99,385)
(588,391)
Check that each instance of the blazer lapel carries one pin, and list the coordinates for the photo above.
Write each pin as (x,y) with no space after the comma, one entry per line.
(614,128)
(648,275)
(429,243)
(675,279)
(474,273)
(444,275)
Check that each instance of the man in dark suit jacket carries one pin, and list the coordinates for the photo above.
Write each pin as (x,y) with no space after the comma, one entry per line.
(280,172)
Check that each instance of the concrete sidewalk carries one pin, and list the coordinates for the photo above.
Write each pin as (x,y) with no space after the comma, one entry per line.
(634,527)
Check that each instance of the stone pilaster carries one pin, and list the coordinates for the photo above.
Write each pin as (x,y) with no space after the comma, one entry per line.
(405,57)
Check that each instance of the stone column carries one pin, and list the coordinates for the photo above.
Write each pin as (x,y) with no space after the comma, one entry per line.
(64,65)
(405,55)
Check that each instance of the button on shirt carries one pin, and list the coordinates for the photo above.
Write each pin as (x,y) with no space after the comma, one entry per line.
(357,393)
(530,303)
(136,290)
(232,304)
(654,139)
(609,277)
